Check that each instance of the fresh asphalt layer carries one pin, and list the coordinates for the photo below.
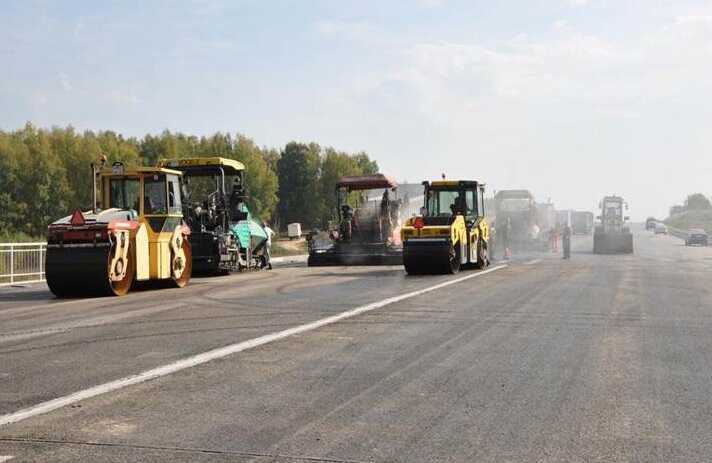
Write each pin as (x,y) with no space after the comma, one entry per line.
(601,358)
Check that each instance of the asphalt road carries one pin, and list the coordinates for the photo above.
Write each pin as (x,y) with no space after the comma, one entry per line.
(600,358)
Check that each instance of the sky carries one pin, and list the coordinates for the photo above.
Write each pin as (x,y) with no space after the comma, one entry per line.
(571,99)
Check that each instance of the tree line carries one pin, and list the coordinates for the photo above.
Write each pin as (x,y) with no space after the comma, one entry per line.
(693,202)
(45,173)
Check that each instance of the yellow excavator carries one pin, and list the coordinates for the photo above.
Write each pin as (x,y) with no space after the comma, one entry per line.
(451,231)
(137,235)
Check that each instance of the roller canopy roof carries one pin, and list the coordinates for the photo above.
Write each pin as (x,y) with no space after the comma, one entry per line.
(366,182)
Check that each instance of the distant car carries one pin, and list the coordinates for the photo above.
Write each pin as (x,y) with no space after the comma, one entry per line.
(660,229)
(650,223)
(696,236)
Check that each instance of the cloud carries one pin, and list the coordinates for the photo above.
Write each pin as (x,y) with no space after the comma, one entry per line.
(578,2)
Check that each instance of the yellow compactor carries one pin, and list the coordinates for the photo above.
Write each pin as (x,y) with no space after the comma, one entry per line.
(451,232)
(137,235)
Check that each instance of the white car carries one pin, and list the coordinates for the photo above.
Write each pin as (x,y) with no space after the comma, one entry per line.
(661,229)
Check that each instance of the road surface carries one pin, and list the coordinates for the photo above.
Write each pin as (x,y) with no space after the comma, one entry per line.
(601,358)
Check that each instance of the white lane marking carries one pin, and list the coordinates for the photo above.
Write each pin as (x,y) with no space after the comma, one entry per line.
(199,359)
(4,458)
(532,262)
(94,321)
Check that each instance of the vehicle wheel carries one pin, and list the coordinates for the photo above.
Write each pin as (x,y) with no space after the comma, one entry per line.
(181,278)
(454,264)
(121,287)
(482,255)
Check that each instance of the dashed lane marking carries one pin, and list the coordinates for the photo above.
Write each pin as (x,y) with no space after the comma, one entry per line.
(205,357)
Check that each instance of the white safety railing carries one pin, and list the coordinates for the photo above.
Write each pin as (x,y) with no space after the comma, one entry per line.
(22,263)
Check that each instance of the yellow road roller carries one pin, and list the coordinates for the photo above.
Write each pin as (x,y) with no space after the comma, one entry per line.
(451,231)
(137,235)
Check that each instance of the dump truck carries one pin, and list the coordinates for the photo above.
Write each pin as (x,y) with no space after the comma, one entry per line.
(137,235)
(224,236)
(451,232)
(519,209)
(366,225)
(582,222)
(612,235)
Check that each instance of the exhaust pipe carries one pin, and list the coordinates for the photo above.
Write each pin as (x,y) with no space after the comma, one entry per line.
(94,171)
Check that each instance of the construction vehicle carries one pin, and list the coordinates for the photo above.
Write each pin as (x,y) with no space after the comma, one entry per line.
(224,236)
(138,235)
(366,225)
(582,222)
(612,235)
(451,231)
(518,209)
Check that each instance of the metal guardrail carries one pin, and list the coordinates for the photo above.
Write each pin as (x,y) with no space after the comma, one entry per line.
(22,263)
(677,233)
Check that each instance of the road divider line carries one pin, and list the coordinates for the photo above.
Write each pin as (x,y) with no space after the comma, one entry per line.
(532,262)
(214,354)
(4,458)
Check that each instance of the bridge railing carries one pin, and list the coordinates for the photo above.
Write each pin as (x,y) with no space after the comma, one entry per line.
(22,263)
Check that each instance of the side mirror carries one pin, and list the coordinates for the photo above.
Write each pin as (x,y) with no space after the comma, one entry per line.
(626,218)
(598,217)
(423,211)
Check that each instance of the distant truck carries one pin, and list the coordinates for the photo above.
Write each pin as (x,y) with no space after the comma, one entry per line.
(519,209)
(582,222)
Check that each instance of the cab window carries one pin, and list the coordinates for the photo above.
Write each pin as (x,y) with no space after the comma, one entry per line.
(471,204)
(174,200)
(154,194)
(124,193)
(441,202)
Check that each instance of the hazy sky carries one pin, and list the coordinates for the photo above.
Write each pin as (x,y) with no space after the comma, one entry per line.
(572,99)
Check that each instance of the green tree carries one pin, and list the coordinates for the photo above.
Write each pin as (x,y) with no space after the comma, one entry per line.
(697,202)
(334,166)
(260,178)
(298,172)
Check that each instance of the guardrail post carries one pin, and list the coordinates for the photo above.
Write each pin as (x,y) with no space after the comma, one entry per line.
(12,264)
(41,266)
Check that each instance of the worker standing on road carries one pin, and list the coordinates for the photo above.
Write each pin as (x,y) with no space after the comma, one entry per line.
(566,242)
(268,244)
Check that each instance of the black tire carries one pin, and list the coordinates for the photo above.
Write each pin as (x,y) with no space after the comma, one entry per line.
(454,261)
(482,255)
(411,268)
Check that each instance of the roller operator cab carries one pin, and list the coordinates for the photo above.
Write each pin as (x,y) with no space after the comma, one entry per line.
(612,234)
(137,234)
(451,231)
